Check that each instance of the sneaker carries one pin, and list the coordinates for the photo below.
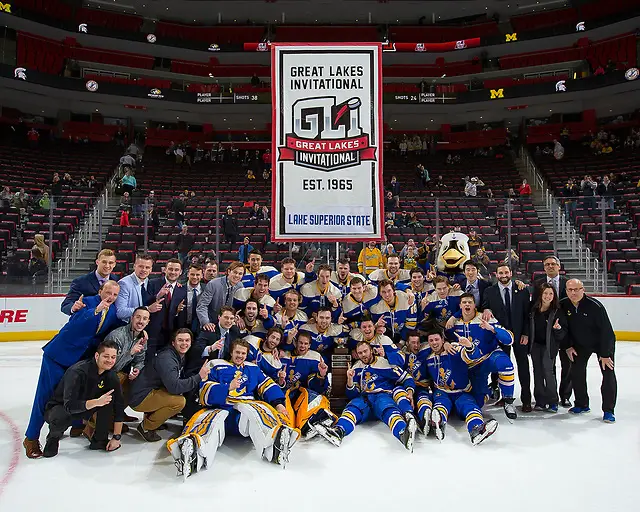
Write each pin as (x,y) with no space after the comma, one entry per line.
(579,410)
(481,432)
(565,403)
(150,436)
(408,435)
(51,447)
(539,408)
(609,417)
(510,410)
(32,448)
(331,434)
(438,424)
(552,408)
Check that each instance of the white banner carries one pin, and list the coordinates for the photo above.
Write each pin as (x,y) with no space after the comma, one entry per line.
(327,142)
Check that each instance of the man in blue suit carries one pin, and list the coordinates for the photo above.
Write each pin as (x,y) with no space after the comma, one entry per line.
(89,284)
(133,289)
(81,334)
(472,283)
(173,297)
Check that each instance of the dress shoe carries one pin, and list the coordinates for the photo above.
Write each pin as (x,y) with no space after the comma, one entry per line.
(32,448)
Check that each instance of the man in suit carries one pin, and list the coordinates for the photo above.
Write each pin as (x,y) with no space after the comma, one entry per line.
(188,317)
(510,307)
(81,334)
(173,298)
(552,269)
(209,345)
(89,284)
(472,283)
(219,292)
(133,289)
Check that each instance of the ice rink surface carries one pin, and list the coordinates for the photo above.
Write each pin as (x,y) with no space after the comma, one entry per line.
(541,462)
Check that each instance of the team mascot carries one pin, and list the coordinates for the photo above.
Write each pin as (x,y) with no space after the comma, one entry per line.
(453,252)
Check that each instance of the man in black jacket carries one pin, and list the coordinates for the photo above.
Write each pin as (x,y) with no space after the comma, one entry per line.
(552,269)
(87,388)
(159,388)
(590,332)
(510,307)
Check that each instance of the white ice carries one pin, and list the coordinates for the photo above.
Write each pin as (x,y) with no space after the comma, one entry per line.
(541,462)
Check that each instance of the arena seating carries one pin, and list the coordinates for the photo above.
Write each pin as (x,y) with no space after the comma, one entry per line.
(237,34)
(623,255)
(315,33)
(441,34)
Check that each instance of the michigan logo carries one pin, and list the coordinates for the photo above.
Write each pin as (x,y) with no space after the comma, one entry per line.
(327,135)
(5,8)
(511,37)
(497,93)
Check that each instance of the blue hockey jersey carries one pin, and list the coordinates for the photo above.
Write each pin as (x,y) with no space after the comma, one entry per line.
(313,297)
(242,295)
(399,317)
(450,373)
(439,309)
(354,310)
(485,341)
(378,377)
(266,361)
(249,278)
(278,285)
(302,371)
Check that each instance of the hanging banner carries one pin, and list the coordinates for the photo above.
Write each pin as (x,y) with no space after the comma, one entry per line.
(327,142)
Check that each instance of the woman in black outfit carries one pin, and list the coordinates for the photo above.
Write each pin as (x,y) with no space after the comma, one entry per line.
(547,330)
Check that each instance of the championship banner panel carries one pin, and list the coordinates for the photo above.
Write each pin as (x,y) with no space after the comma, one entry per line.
(327,142)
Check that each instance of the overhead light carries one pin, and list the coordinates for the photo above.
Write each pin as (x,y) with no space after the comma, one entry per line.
(250,119)
(443,75)
(432,120)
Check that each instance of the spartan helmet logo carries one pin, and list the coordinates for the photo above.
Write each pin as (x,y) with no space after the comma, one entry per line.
(20,73)
(580,26)
(82,28)
(561,86)
(453,252)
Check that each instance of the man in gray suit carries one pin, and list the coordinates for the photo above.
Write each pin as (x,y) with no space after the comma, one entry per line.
(218,292)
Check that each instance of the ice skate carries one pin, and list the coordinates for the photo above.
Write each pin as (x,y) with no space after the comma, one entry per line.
(331,434)
(408,436)
(281,446)
(482,432)
(510,410)
(438,424)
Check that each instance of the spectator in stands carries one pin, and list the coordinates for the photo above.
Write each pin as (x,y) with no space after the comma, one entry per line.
(245,249)
(422,174)
(45,202)
(606,148)
(512,260)
(20,200)
(599,71)
(402,220)
(92,182)
(440,182)
(127,161)
(413,221)
(511,193)
(525,189)
(471,186)
(388,250)
(178,206)
(403,148)
(37,265)
(482,261)
(266,160)
(128,181)
(370,259)
(409,261)
(606,190)
(389,204)
(6,196)
(474,242)
(611,66)
(388,222)
(449,159)
(125,209)
(33,136)
(570,192)
(210,271)
(394,188)
(255,80)
(266,175)
(491,204)
(184,244)
(230,226)
(42,247)
(588,189)
(158,390)
(250,175)
(257,213)
(56,186)
(410,244)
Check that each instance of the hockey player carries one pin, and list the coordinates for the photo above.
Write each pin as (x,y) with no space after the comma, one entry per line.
(342,277)
(440,305)
(289,278)
(303,377)
(320,293)
(259,291)
(324,334)
(254,268)
(230,396)
(264,352)
(400,277)
(450,375)
(291,317)
(370,386)
(485,336)
(421,286)
(397,308)
(382,345)
(356,304)
(254,319)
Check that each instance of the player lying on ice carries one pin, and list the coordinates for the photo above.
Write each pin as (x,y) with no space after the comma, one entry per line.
(372,385)
(452,389)
(230,397)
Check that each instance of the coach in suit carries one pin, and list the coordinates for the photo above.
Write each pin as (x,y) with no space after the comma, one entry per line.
(82,333)
(89,284)
(472,283)
(133,289)
(188,317)
(219,292)
(173,298)
(553,277)
(510,307)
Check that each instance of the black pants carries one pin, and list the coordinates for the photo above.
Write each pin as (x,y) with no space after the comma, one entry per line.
(566,387)
(545,387)
(60,420)
(609,388)
(521,353)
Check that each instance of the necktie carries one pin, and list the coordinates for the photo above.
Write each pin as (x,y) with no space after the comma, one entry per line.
(554,283)
(226,297)
(469,288)
(168,301)
(102,319)
(143,294)
(507,306)
(225,348)
(194,302)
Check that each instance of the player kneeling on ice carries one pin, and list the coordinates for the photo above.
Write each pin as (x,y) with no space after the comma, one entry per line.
(450,374)
(371,385)
(304,378)
(230,394)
